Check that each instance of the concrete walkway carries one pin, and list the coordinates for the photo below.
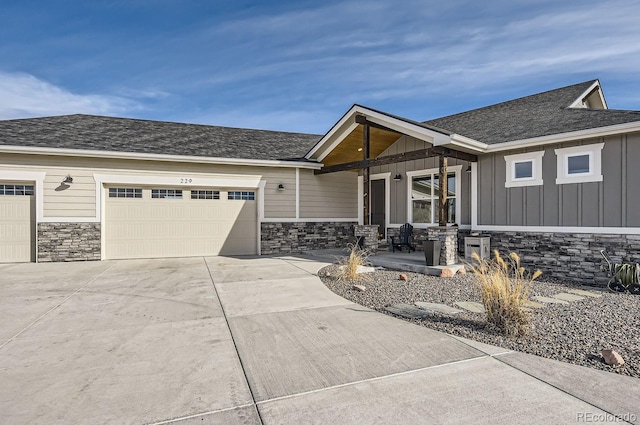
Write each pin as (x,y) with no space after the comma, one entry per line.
(258,341)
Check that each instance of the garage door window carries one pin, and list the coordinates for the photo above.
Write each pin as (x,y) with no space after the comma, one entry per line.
(205,194)
(16,190)
(242,196)
(124,192)
(166,193)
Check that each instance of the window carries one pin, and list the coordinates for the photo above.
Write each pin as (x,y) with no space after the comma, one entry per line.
(16,190)
(425,195)
(524,169)
(205,194)
(579,164)
(122,192)
(166,193)
(242,196)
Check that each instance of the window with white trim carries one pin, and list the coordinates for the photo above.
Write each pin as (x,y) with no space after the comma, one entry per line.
(166,193)
(579,164)
(425,196)
(16,190)
(242,196)
(124,192)
(524,169)
(205,194)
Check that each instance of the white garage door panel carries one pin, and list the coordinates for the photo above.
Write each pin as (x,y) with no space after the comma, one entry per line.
(147,228)
(16,229)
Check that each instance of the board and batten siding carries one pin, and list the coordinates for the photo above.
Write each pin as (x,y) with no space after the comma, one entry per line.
(614,202)
(398,189)
(333,195)
(78,199)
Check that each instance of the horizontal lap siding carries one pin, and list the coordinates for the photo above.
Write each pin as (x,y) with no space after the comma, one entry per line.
(79,198)
(610,203)
(333,195)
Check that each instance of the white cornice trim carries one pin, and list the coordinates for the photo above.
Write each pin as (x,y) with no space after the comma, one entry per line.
(566,137)
(157,157)
(578,102)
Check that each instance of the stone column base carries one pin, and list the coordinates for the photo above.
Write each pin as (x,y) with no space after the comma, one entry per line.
(369,235)
(449,238)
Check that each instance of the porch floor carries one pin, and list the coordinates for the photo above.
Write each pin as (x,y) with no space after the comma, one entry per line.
(402,261)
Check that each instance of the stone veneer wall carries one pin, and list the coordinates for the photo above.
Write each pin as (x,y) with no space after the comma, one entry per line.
(453,238)
(281,238)
(369,235)
(68,242)
(568,256)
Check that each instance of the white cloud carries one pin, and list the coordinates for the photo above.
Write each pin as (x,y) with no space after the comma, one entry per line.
(23,95)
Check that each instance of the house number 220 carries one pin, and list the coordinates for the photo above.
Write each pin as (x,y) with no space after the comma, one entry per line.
(185,180)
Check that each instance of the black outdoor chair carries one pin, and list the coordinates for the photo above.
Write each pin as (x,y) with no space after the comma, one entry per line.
(405,238)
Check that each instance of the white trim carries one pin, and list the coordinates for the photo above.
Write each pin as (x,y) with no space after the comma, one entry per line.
(474,194)
(578,103)
(560,229)
(37,177)
(595,164)
(309,220)
(387,196)
(347,124)
(457,169)
(182,179)
(261,194)
(566,137)
(468,143)
(360,196)
(536,169)
(297,193)
(158,157)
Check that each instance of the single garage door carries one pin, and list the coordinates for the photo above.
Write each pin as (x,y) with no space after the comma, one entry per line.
(17,223)
(170,222)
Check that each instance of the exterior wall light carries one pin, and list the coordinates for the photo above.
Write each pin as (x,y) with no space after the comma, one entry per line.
(68,179)
(281,186)
(397,177)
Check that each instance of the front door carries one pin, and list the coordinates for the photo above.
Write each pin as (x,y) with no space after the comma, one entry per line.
(378,206)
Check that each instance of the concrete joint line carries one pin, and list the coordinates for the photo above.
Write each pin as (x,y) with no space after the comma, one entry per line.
(558,388)
(377,378)
(233,340)
(55,307)
(197,415)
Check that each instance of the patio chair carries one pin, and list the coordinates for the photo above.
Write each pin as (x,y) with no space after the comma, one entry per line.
(405,238)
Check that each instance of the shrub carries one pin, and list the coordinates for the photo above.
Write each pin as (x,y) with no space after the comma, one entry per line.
(504,290)
(348,269)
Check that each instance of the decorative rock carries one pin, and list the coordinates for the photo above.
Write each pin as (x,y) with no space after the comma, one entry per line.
(568,297)
(447,273)
(471,306)
(462,271)
(612,358)
(403,277)
(548,300)
(360,288)
(407,310)
(437,308)
(584,293)
(533,304)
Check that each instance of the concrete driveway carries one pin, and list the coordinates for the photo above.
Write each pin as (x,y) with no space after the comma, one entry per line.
(258,340)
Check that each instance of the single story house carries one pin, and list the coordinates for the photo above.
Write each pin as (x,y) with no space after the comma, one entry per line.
(550,176)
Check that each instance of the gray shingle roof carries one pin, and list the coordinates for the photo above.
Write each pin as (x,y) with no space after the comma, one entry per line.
(538,115)
(88,132)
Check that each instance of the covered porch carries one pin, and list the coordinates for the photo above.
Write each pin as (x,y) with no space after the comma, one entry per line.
(408,172)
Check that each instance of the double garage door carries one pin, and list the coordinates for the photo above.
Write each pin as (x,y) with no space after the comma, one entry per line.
(17,223)
(152,222)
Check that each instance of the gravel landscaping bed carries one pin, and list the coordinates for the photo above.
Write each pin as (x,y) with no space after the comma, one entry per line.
(574,333)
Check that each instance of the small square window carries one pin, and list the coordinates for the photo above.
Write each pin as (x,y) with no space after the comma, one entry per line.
(125,192)
(578,164)
(523,170)
(166,193)
(241,196)
(205,194)
(16,190)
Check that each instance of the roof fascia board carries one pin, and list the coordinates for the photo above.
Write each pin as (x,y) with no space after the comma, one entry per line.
(468,143)
(596,85)
(347,124)
(157,157)
(566,137)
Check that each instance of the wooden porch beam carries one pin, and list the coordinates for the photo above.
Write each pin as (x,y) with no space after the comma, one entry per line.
(442,204)
(365,172)
(401,157)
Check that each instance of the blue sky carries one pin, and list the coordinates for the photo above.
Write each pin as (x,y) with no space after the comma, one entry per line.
(299,65)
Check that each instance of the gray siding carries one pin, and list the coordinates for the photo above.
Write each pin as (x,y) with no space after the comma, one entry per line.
(398,190)
(610,203)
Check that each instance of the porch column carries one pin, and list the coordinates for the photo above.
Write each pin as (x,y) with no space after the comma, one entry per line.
(443,191)
(365,173)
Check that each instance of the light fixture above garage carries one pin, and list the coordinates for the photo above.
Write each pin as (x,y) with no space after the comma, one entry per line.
(68,179)
(281,186)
